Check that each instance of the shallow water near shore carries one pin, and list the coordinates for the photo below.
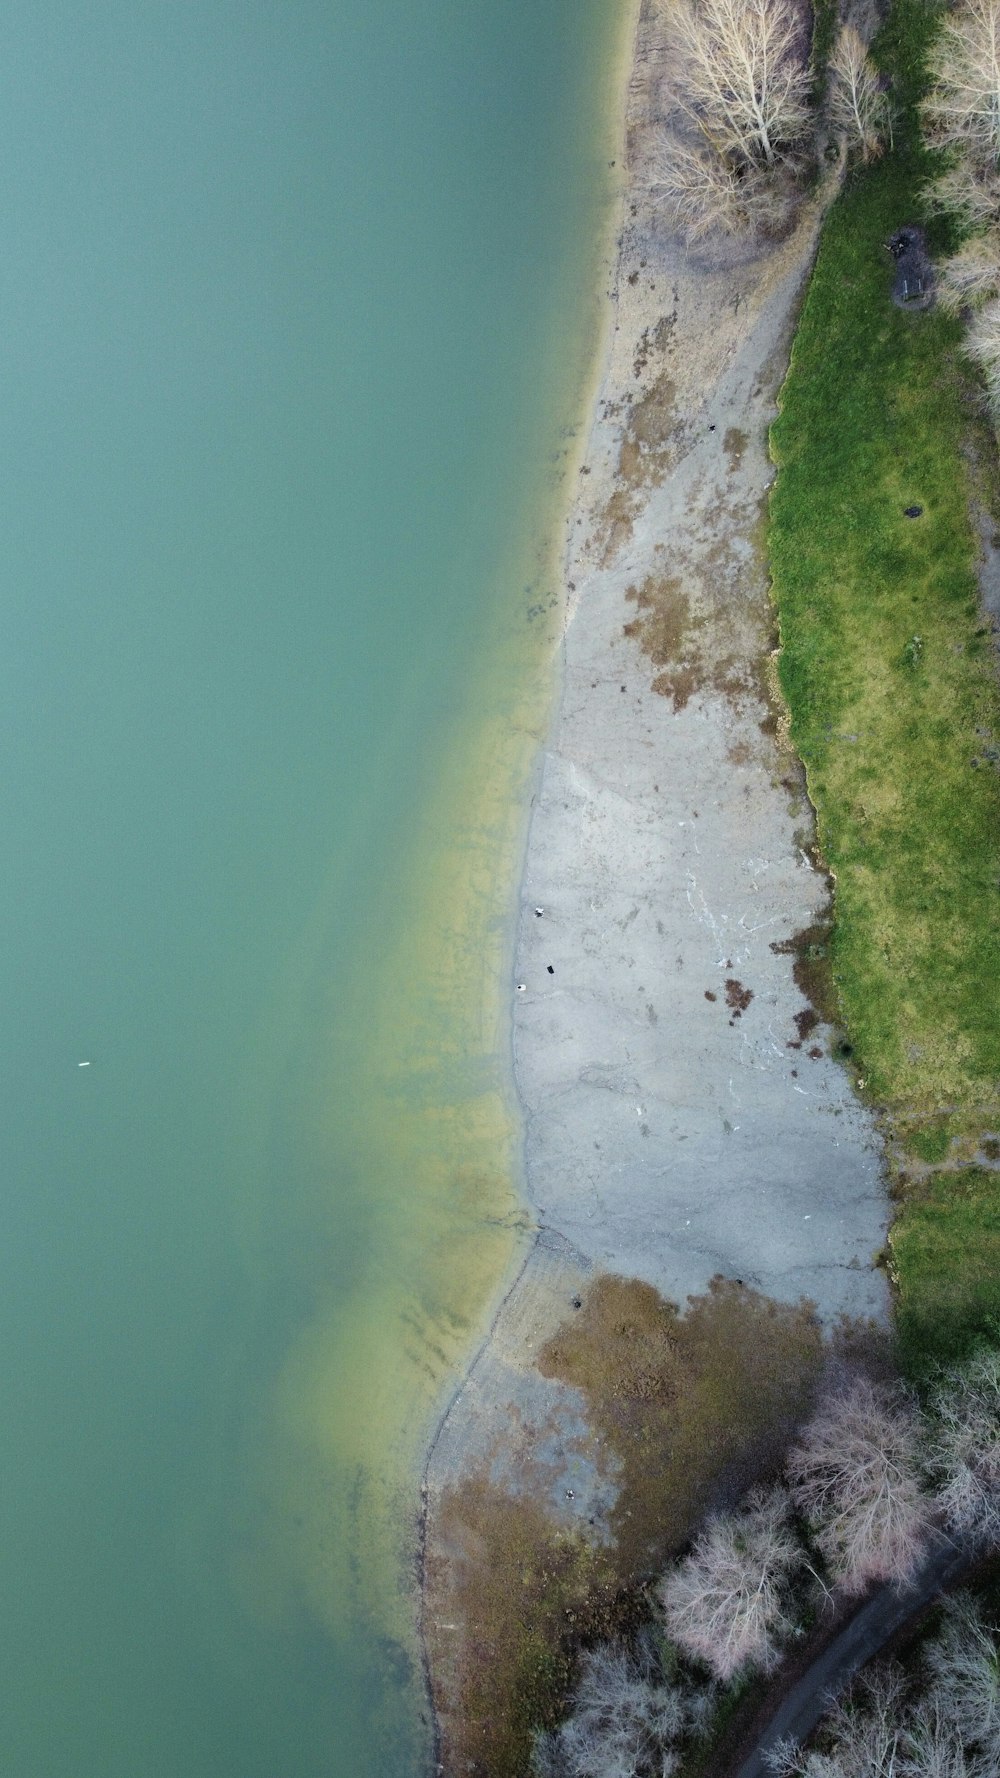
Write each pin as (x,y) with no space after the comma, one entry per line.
(295,309)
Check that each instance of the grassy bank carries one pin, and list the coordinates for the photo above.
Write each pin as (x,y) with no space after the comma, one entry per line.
(889,672)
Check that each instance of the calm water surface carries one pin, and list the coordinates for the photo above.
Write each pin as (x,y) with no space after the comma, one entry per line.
(293,301)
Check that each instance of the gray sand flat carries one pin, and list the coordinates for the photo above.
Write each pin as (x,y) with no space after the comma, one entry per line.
(665,1138)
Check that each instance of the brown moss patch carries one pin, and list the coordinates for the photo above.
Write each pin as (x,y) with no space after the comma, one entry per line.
(677,642)
(738,997)
(665,625)
(694,1407)
(812,970)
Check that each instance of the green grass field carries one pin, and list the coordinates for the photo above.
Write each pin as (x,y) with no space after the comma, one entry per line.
(890,677)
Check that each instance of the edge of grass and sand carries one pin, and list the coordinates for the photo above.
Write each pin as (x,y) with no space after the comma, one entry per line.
(888,663)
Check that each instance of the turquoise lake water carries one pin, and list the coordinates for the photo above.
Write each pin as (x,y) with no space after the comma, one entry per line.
(295,301)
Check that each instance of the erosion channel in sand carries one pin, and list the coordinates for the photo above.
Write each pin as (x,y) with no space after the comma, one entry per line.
(687,1108)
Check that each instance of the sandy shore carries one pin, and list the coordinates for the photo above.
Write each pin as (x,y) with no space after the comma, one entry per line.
(683,1114)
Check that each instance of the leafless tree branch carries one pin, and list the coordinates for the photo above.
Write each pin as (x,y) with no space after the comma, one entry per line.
(739,73)
(858,108)
(855,1476)
(727,1603)
(964,1409)
(962,108)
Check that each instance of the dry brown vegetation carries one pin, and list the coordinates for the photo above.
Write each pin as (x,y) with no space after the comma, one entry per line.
(510,1594)
(694,1407)
(689,1410)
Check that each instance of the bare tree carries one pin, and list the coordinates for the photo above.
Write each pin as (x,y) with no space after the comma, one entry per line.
(788,1759)
(855,1476)
(864,1733)
(727,1603)
(962,107)
(889,1728)
(961,113)
(964,1408)
(931,1746)
(971,275)
(739,73)
(964,1666)
(858,107)
(969,191)
(735,99)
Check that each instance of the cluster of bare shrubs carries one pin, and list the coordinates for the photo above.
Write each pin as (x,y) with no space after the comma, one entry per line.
(961,115)
(867,1481)
(738,129)
(629,1719)
(941,1721)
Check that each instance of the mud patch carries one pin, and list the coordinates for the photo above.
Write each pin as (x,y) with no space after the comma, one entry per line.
(734,444)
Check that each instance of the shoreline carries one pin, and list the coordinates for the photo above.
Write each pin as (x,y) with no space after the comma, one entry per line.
(659,1038)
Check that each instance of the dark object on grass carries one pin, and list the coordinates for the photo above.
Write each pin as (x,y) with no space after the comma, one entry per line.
(912,512)
(913,285)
